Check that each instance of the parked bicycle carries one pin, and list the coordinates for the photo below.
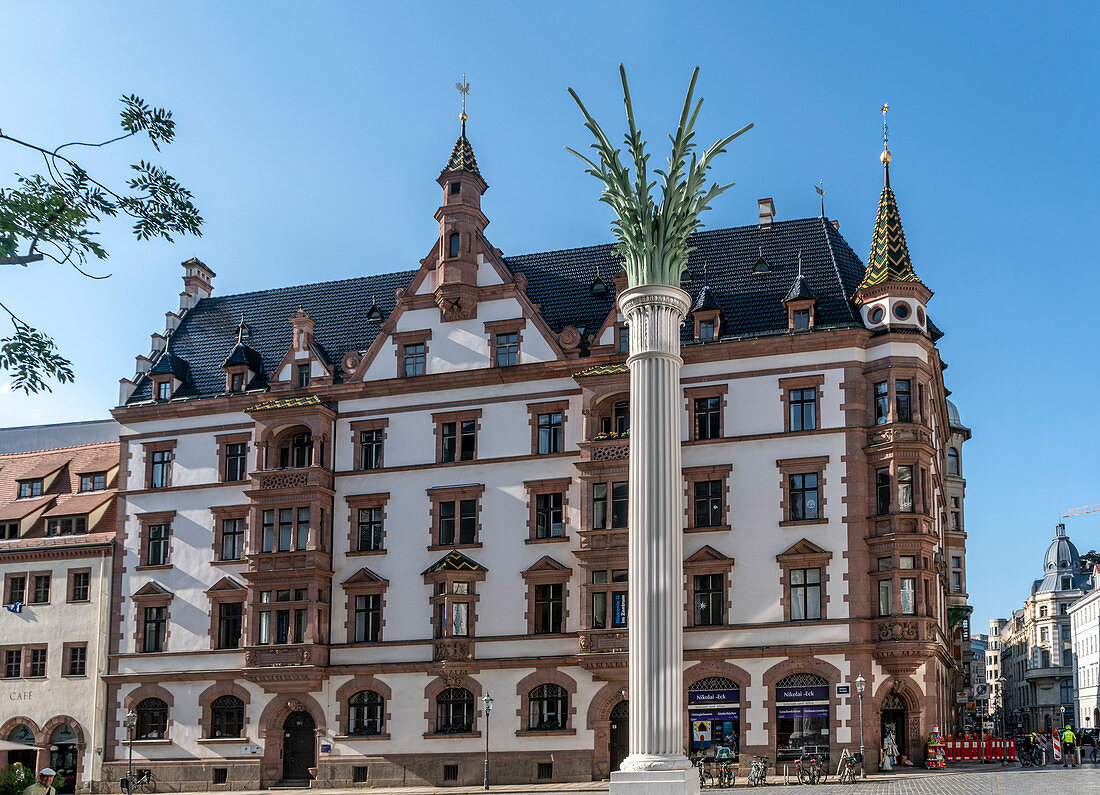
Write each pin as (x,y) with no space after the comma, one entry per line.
(758,776)
(811,770)
(847,772)
(143,783)
(1029,753)
(727,773)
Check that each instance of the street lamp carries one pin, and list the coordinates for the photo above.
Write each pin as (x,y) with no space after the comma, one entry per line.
(999,710)
(487,702)
(131,723)
(861,685)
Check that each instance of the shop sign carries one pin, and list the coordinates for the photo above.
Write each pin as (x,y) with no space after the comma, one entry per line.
(961,697)
(802,712)
(719,713)
(714,696)
(843,690)
(802,693)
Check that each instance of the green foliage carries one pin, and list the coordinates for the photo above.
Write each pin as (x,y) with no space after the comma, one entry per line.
(53,216)
(15,779)
(653,238)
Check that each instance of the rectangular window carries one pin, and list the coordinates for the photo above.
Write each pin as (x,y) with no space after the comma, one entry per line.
(67,526)
(624,339)
(708,503)
(801,318)
(263,636)
(303,376)
(805,594)
(901,401)
(599,610)
(956,521)
(619,500)
(235,461)
(548,515)
(884,564)
(286,529)
(368,618)
(9,530)
(907,562)
(803,497)
(414,356)
(803,408)
(30,488)
(156,549)
(551,433)
(233,538)
(706,329)
(460,619)
(459,441)
(1043,636)
(549,608)
(507,349)
(78,661)
(17,589)
(164,390)
(267,535)
(302,528)
(885,597)
(38,663)
(236,382)
(41,593)
(458,522)
(708,417)
(79,590)
(230,615)
(370,529)
(710,600)
(13,663)
(882,490)
(155,630)
(882,403)
(905,489)
(908,595)
(956,562)
(160,473)
(94,482)
(599,506)
(956,581)
(370,449)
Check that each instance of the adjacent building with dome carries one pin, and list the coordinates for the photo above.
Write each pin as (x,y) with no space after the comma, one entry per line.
(352,512)
(1037,656)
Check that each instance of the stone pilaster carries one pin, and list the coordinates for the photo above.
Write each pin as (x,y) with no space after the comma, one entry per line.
(656,762)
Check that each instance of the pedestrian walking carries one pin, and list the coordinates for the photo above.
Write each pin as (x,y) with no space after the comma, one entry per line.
(44,785)
(1069,747)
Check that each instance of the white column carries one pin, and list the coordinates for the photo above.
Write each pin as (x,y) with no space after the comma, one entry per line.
(656,763)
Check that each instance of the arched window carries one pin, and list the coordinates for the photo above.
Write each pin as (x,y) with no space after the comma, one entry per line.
(453,245)
(227,717)
(454,711)
(22,734)
(152,719)
(365,713)
(549,708)
(952,461)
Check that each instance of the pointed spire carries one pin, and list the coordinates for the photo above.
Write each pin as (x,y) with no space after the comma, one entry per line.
(889,259)
(800,290)
(462,155)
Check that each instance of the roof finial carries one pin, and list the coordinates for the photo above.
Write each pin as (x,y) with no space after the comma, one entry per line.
(241,329)
(799,263)
(820,188)
(463,89)
(885,156)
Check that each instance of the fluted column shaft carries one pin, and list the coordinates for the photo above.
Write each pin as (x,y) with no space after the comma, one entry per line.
(654,314)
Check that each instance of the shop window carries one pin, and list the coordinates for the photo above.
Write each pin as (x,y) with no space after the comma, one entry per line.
(802,716)
(714,712)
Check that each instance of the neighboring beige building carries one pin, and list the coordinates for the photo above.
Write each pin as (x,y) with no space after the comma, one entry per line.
(1036,643)
(57,539)
(993,670)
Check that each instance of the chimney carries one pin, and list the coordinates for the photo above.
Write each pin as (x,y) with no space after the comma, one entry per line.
(159,342)
(198,281)
(126,388)
(836,225)
(172,321)
(767,211)
(143,364)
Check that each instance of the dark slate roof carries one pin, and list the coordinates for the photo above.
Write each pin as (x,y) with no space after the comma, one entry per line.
(169,363)
(889,259)
(705,300)
(242,354)
(455,561)
(462,156)
(800,290)
(561,282)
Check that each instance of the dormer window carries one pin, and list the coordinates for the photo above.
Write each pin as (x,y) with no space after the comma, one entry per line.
(95,481)
(706,329)
(9,530)
(452,245)
(800,318)
(67,526)
(303,376)
(236,382)
(30,488)
(164,390)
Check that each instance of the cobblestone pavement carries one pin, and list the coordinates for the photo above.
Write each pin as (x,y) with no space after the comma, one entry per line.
(1001,781)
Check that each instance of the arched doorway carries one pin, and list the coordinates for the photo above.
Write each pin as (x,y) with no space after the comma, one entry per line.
(299,746)
(893,722)
(1096,717)
(63,757)
(23,735)
(620,734)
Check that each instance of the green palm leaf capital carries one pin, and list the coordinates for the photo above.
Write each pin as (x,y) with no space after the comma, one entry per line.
(653,236)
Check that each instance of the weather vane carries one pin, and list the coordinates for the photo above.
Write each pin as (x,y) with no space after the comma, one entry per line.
(885,128)
(820,188)
(463,89)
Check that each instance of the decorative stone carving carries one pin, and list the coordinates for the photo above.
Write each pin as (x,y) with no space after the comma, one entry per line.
(569,339)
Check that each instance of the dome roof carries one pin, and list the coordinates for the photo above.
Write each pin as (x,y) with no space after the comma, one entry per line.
(954,420)
(1062,566)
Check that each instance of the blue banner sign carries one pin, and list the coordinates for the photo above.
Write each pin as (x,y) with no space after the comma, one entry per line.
(802,712)
(718,713)
(715,696)
(802,693)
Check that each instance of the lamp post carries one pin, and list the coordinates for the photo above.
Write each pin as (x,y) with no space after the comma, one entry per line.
(487,701)
(999,709)
(131,723)
(861,685)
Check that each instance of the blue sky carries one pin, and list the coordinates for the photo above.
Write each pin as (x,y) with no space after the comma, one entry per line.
(312,133)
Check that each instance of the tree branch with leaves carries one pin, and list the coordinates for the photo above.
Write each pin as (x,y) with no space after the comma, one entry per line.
(56,216)
(653,239)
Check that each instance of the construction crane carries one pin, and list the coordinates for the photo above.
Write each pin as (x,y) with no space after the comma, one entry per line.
(1082,510)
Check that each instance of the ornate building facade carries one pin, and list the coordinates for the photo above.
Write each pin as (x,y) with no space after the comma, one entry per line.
(1036,643)
(354,510)
(57,545)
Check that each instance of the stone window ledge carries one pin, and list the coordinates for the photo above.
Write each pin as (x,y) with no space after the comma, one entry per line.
(222,740)
(545,732)
(363,552)
(722,528)
(140,743)
(241,562)
(801,522)
(705,627)
(351,738)
(450,735)
(455,546)
(551,540)
(160,567)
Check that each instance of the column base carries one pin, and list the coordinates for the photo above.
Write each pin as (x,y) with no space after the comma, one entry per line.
(655,782)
